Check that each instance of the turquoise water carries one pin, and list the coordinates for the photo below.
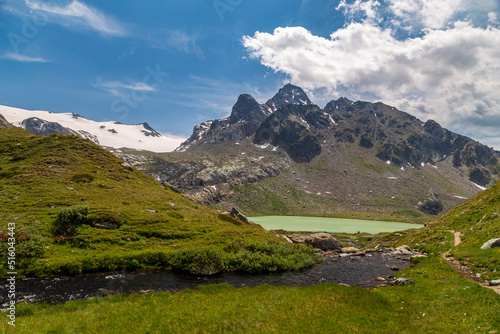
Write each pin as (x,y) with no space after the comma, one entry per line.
(339,225)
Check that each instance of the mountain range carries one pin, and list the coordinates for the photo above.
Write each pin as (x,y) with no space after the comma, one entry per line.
(289,156)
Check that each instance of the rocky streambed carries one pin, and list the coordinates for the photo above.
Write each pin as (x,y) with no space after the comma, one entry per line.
(367,269)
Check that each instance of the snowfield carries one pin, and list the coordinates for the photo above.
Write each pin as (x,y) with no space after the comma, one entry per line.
(107,134)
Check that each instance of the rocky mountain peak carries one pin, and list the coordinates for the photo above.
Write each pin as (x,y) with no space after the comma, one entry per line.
(289,94)
(246,109)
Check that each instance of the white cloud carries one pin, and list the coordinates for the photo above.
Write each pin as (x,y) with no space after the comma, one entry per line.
(451,74)
(23,58)
(118,88)
(177,40)
(76,14)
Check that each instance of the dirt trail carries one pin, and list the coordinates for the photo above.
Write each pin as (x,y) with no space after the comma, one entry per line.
(464,271)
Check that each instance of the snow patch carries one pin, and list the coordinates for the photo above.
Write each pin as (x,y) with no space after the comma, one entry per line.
(460,197)
(392,178)
(263,146)
(130,136)
(480,187)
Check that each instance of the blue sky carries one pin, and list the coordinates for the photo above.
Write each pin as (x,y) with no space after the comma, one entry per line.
(177,63)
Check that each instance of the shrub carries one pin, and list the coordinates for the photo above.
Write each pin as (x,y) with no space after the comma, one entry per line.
(28,248)
(200,261)
(68,219)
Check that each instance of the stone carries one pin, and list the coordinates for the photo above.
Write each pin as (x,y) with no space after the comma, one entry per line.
(403,250)
(495,282)
(298,239)
(106,225)
(127,166)
(238,215)
(324,241)
(151,211)
(350,249)
(403,281)
(492,243)
(287,239)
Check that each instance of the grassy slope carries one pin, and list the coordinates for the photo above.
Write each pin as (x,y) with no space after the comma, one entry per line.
(39,175)
(440,301)
(478,220)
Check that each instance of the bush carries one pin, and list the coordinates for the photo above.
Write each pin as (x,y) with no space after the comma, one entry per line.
(28,248)
(68,219)
(199,261)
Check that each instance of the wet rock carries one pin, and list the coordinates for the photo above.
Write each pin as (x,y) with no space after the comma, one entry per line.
(492,243)
(403,281)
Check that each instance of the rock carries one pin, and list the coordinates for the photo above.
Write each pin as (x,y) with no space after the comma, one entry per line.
(492,243)
(380,279)
(430,206)
(403,250)
(324,241)
(350,250)
(171,187)
(495,282)
(403,281)
(287,239)
(395,268)
(127,166)
(238,215)
(106,225)
(298,239)
(151,211)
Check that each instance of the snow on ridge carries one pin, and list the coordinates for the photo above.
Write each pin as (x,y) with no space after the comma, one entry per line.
(109,134)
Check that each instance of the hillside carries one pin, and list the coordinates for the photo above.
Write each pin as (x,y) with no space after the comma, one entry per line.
(133,221)
(349,158)
(476,221)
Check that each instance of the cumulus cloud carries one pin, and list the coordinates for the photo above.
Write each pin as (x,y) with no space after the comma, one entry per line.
(449,72)
(76,14)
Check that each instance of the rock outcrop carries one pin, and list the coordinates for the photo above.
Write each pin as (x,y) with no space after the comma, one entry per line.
(323,241)
(492,243)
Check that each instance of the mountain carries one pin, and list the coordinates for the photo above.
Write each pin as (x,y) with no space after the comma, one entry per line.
(349,157)
(107,134)
(246,117)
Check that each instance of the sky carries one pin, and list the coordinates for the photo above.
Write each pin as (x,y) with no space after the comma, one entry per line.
(177,63)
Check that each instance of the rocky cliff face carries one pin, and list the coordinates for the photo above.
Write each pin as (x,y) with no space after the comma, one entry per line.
(289,156)
(246,117)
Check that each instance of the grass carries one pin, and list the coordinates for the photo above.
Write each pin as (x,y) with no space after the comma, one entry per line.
(478,220)
(439,301)
(131,216)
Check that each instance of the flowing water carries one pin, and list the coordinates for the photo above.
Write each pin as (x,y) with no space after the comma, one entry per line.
(361,271)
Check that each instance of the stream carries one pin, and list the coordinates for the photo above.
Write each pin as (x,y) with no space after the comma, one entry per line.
(360,270)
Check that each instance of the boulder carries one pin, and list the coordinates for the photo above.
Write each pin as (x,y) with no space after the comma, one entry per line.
(495,282)
(238,215)
(403,250)
(492,243)
(127,166)
(299,239)
(324,241)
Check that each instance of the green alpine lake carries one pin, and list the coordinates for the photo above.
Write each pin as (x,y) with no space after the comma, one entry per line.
(334,225)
